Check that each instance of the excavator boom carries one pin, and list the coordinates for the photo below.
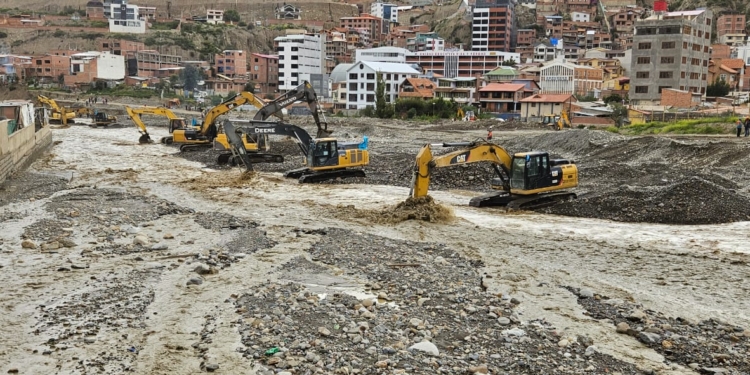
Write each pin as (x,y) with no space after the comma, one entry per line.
(135,115)
(304,92)
(59,113)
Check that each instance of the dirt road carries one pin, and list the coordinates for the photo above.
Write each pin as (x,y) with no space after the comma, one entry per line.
(118,257)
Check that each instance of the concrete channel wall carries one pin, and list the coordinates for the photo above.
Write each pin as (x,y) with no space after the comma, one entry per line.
(21,148)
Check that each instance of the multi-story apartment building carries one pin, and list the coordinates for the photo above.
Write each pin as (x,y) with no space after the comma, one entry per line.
(385,11)
(376,27)
(362,82)
(13,68)
(425,42)
(87,67)
(48,68)
(730,28)
(147,63)
(299,56)
(337,49)
(124,17)
(451,64)
(492,27)
(671,51)
(264,71)
(231,63)
(214,16)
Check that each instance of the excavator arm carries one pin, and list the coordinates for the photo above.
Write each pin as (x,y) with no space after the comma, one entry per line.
(135,115)
(304,92)
(234,130)
(64,114)
(472,152)
(228,105)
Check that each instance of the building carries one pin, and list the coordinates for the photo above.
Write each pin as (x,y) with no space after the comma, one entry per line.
(540,105)
(299,56)
(382,54)
(671,52)
(124,17)
(727,70)
(48,68)
(451,64)
(120,46)
(385,11)
(580,17)
(375,28)
(147,63)
(287,12)
(362,77)
(214,16)
(492,26)
(337,49)
(425,42)
(420,88)
(503,97)
(501,74)
(462,90)
(231,63)
(730,29)
(544,51)
(680,98)
(88,67)
(94,10)
(13,68)
(222,85)
(264,71)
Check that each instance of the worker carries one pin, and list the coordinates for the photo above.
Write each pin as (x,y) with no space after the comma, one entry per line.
(747,126)
(489,134)
(739,127)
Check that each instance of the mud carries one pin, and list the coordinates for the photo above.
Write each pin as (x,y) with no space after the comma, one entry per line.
(419,209)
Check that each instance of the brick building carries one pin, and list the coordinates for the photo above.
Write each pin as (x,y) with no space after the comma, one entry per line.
(264,71)
(120,46)
(730,29)
(671,52)
(377,27)
(231,63)
(680,98)
(493,26)
(95,10)
(147,63)
(48,68)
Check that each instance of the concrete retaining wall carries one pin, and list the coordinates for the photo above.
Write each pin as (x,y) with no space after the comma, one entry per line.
(20,149)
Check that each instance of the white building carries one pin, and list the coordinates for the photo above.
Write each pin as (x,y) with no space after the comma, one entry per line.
(214,16)
(580,17)
(742,52)
(385,11)
(383,54)
(300,56)
(98,65)
(124,17)
(361,82)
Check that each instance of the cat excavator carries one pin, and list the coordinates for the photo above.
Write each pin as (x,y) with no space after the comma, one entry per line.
(557,122)
(303,92)
(99,117)
(325,158)
(525,180)
(135,115)
(57,111)
(201,136)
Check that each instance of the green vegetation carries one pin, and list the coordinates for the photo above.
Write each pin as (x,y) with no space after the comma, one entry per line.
(3,35)
(59,34)
(718,88)
(169,25)
(123,90)
(231,15)
(708,125)
(99,24)
(383,109)
(613,129)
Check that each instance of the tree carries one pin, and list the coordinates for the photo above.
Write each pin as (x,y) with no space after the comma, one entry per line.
(619,113)
(190,77)
(231,16)
(718,88)
(249,87)
(614,98)
(382,108)
(511,62)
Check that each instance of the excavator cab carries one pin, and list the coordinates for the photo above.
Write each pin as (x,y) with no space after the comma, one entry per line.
(177,124)
(531,171)
(324,153)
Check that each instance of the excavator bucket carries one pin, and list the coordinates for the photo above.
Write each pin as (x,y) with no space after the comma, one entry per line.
(145,138)
(323,133)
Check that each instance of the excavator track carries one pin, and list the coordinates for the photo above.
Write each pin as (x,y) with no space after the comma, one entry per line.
(166,140)
(520,202)
(229,158)
(307,176)
(194,147)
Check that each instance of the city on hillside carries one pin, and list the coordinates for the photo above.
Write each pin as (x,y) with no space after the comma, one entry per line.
(524,59)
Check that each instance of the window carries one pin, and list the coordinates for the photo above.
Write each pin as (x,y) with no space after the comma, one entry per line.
(352,75)
(664,87)
(641,75)
(641,89)
(667,60)
(665,74)
(295,66)
(47,61)
(644,60)
(667,45)
(281,66)
(295,57)
(352,86)
(684,45)
(682,74)
(644,45)
(370,98)
(370,87)
(370,76)
(533,105)
(684,60)
(352,97)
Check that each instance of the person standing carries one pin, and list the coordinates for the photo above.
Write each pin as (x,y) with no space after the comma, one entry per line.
(747,126)
(739,127)
(489,134)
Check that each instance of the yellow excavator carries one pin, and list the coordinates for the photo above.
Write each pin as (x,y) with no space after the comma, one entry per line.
(325,158)
(99,117)
(135,115)
(557,122)
(526,180)
(303,92)
(201,136)
(56,111)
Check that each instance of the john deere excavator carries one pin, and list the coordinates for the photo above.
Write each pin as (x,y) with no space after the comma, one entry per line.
(56,111)
(202,136)
(99,117)
(525,180)
(135,115)
(325,158)
(303,92)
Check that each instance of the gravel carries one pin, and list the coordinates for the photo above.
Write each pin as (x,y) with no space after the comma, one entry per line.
(709,346)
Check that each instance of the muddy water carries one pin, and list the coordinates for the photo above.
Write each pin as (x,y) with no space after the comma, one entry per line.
(682,271)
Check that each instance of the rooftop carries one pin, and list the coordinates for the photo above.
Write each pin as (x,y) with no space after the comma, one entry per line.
(503,87)
(423,88)
(548,98)
(388,67)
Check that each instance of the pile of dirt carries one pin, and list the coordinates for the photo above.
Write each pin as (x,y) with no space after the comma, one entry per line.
(420,209)
(692,200)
